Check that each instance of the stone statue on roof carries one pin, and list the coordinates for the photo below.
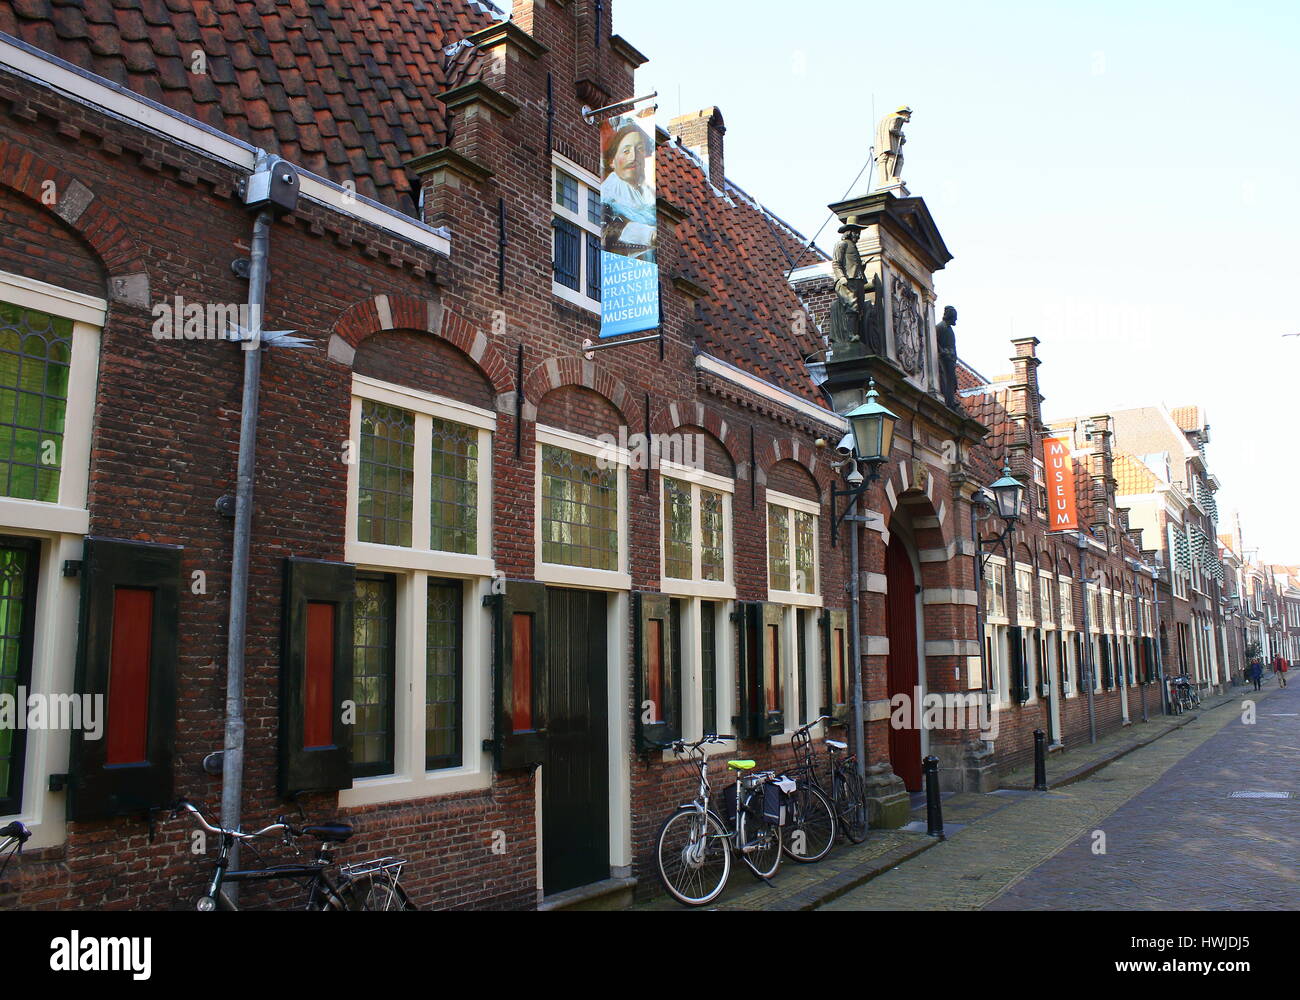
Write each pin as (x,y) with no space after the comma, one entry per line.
(946,340)
(853,311)
(889,148)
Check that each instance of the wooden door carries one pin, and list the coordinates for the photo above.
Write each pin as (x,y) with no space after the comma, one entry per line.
(904,672)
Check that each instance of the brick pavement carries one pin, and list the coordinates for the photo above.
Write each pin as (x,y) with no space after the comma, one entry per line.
(1184,843)
(1011,833)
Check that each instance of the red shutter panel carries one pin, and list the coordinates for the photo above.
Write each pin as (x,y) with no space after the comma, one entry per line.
(127,648)
(656,629)
(128,676)
(519,624)
(315,745)
(319,696)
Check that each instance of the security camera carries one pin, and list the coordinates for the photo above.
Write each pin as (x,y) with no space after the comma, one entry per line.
(845,448)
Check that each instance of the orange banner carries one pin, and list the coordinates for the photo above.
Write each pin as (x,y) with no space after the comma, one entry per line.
(1062,514)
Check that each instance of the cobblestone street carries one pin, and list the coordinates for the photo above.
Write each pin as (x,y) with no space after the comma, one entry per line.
(1185,843)
(1173,836)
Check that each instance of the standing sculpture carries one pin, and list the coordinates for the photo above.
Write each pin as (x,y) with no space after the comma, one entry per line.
(946,340)
(853,313)
(889,148)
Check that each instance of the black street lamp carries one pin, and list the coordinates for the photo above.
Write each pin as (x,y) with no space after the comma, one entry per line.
(873,439)
(1008,495)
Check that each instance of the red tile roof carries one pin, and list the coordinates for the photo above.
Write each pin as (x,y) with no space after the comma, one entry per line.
(345,88)
(1133,478)
(740,253)
(1188,418)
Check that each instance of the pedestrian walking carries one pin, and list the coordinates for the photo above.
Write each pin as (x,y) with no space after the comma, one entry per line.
(1256,672)
(1280,667)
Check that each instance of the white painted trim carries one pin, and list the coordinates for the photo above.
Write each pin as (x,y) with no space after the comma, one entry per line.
(709,480)
(423,402)
(51,73)
(575,298)
(33,516)
(767,390)
(581,576)
(32,294)
(411,780)
(794,503)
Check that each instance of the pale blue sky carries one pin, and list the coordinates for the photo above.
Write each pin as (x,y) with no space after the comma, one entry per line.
(1117,179)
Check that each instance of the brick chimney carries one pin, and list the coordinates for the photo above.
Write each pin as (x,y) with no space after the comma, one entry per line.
(701,132)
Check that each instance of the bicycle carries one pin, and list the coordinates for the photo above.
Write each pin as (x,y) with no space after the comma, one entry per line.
(371,885)
(695,844)
(813,825)
(847,795)
(12,838)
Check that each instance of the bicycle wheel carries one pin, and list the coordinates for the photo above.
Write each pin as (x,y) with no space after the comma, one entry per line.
(374,893)
(760,845)
(811,826)
(851,798)
(694,858)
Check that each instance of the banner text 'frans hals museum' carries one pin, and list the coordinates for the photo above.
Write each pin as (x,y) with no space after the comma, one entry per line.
(629,273)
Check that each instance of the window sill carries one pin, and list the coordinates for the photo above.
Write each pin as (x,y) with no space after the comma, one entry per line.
(698,588)
(797,600)
(575,298)
(33,515)
(397,557)
(577,576)
(400,788)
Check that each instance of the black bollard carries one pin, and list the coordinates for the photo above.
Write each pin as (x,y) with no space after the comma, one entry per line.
(1040,761)
(933,810)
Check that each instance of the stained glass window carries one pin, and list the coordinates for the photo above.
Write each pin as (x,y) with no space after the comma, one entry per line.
(579,510)
(35,354)
(387,474)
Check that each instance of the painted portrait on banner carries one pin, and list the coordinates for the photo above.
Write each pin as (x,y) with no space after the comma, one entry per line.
(629,270)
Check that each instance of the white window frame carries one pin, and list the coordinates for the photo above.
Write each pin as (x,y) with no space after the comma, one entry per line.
(1047,620)
(588,183)
(789,597)
(61,527)
(581,576)
(1065,594)
(995,573)
(413,567)
(696,586)
(1025,613)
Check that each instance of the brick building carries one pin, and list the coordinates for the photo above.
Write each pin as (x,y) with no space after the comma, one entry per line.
(460,536)
(456,536)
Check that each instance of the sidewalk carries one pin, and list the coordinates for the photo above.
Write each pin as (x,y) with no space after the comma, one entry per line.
(849,868)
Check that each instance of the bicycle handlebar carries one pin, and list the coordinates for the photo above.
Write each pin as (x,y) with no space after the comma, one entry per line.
(237,834)
(16,831)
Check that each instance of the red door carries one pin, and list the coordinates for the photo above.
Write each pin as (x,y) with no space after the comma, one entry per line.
(904,743)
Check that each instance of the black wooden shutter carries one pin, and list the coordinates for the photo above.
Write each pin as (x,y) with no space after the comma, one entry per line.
(519,658)
(1018,669)
(316,676)
(126,661)
(835,632)
(1104,643)
(748,619)
(771,721)
(657,634)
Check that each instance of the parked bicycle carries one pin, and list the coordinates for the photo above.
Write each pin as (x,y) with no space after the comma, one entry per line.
(811,824)
(1183,694)
(696,842)
(371,885)
(846,795)
(12,838)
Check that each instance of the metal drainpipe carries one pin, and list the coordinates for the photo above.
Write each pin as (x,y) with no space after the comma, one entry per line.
(232,772)
(1087,639)
(855,599)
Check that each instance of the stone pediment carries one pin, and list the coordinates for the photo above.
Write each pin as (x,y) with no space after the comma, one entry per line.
(907,219)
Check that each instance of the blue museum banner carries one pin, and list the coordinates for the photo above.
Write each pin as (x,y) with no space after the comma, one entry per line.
(629,271)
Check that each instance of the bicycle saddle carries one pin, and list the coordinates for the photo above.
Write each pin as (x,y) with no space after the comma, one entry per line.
(837,744)
(741,765)
(335,832)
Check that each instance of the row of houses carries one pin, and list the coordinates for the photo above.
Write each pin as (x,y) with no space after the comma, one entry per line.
(443,571)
